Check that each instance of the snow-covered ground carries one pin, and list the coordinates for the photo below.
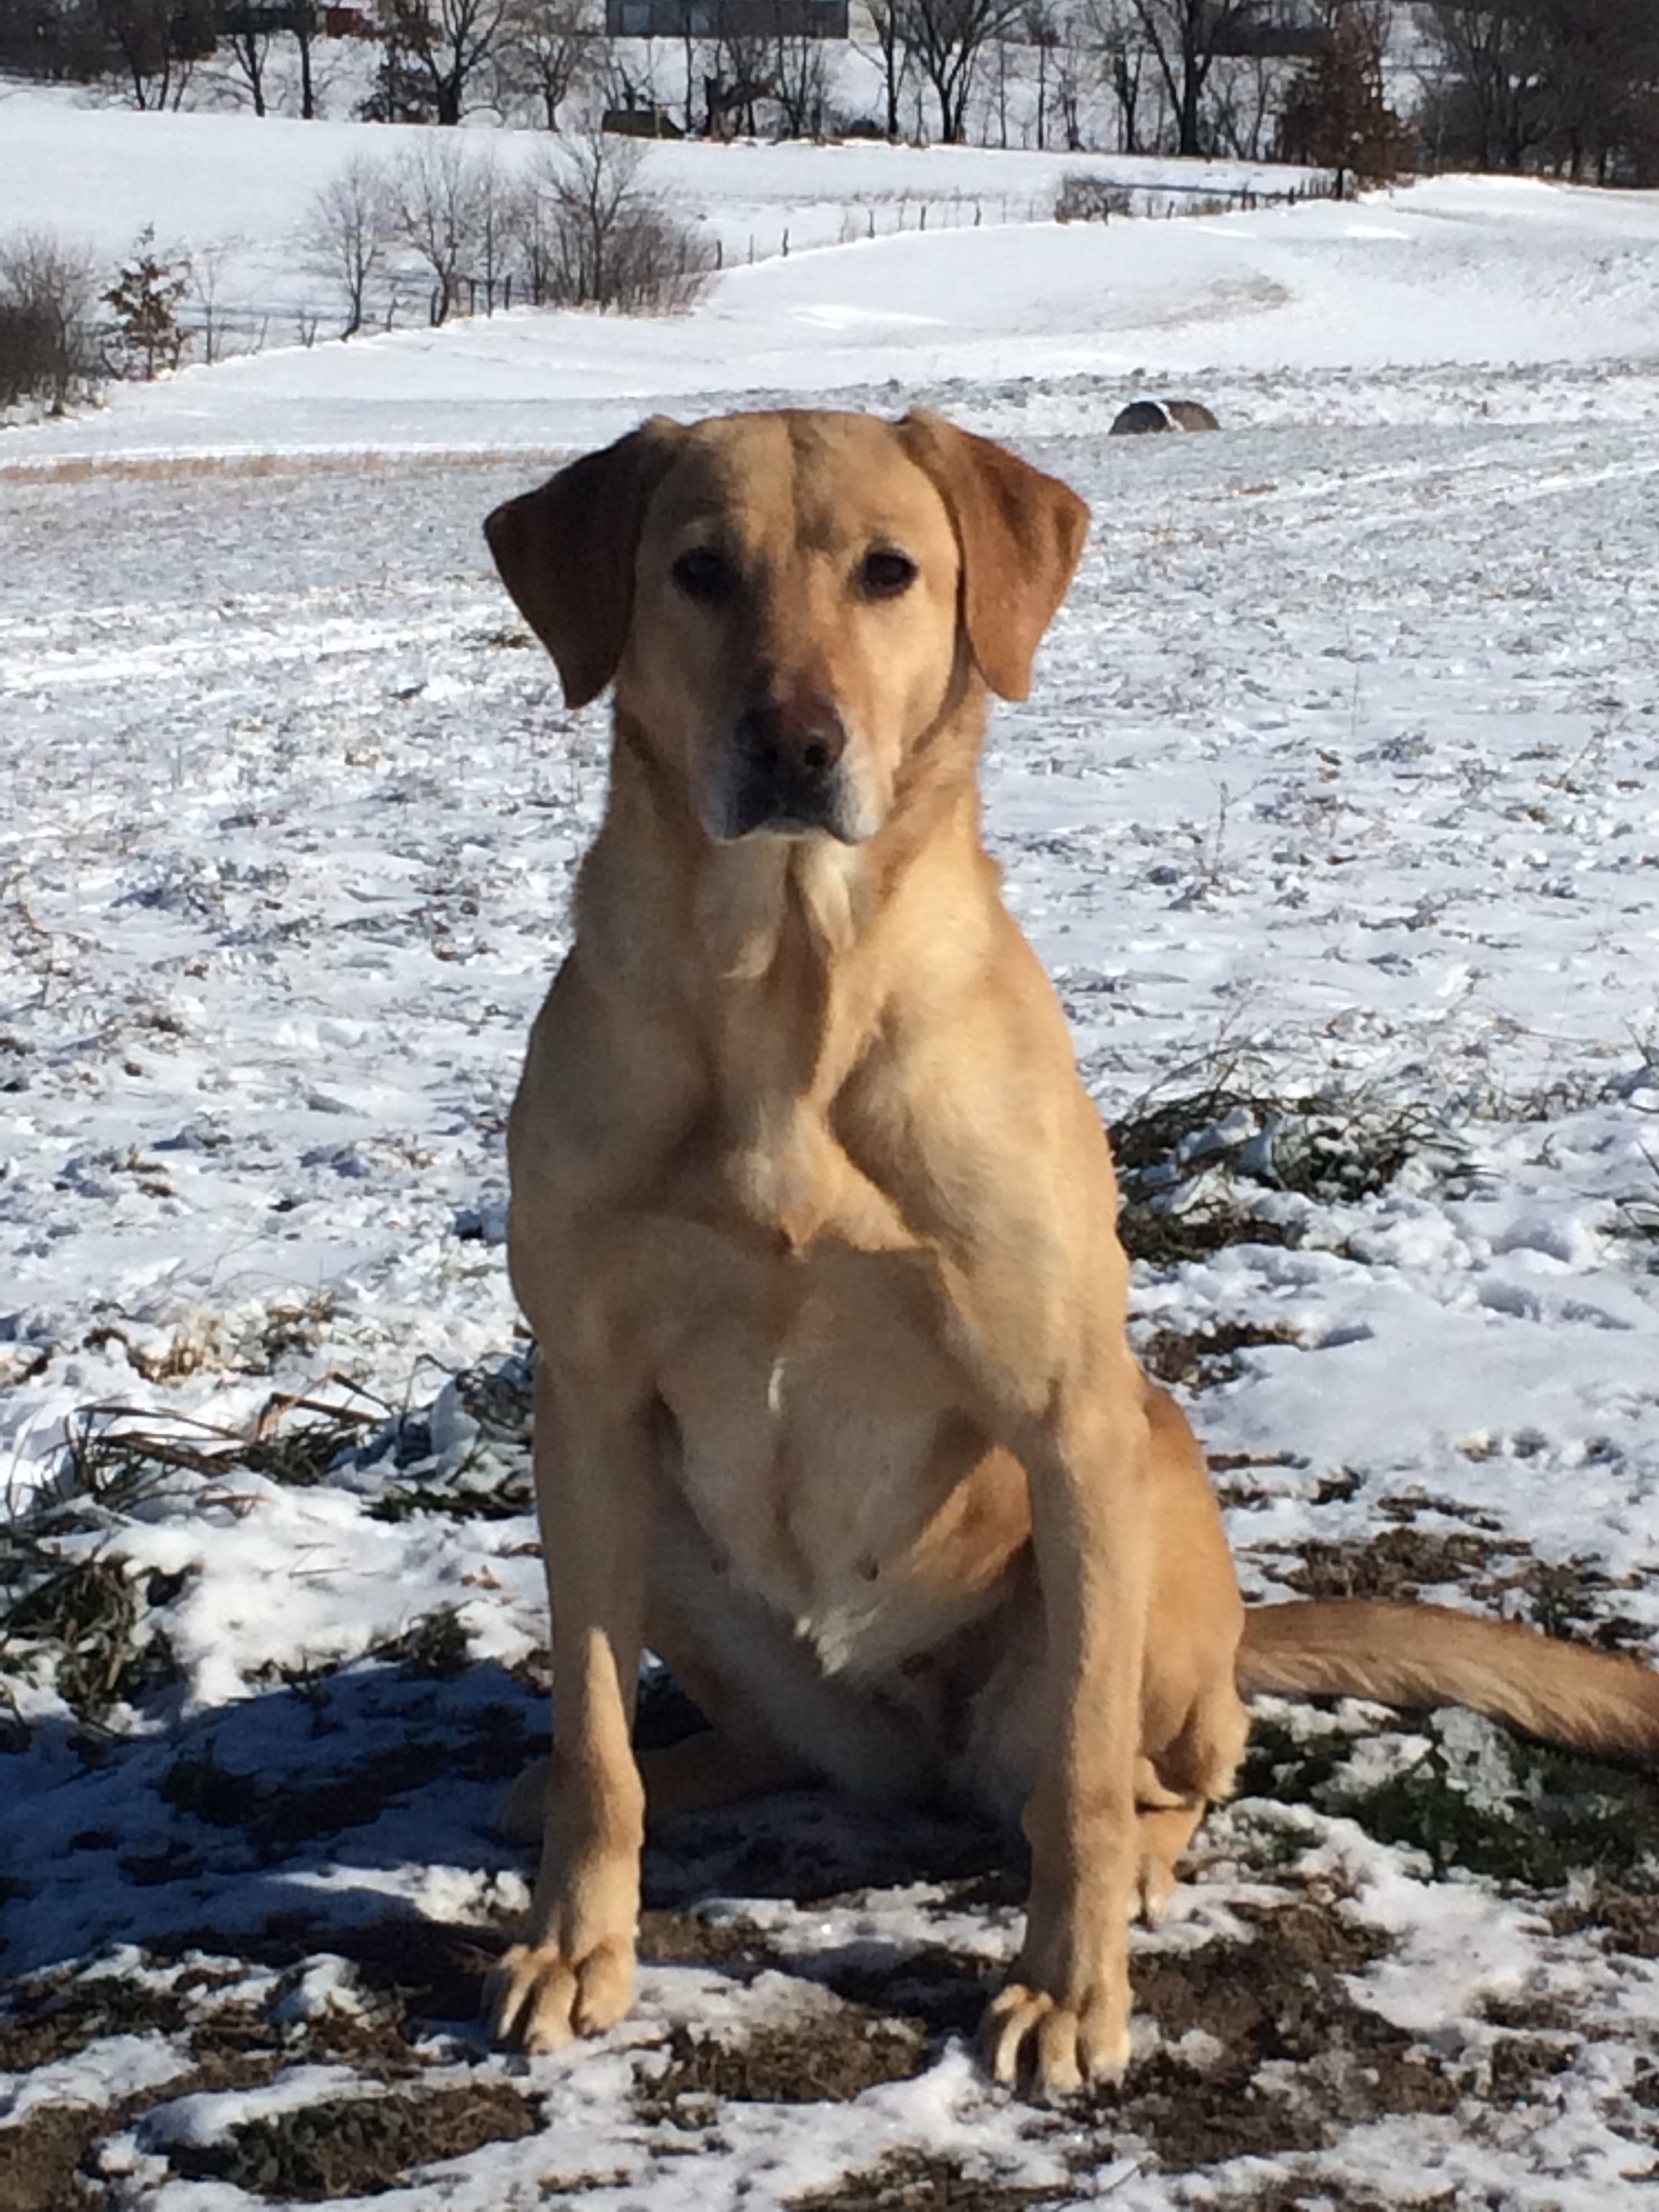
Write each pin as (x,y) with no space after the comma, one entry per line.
(1336,816)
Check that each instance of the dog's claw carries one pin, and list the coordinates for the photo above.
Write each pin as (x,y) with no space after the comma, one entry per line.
(1055,2047)
(1154,1892)
(541,2000)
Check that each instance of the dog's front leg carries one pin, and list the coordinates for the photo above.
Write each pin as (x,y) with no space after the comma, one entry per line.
(1063,2019)
(572,1973)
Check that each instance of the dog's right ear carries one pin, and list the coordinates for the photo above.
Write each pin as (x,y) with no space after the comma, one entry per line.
(565,553)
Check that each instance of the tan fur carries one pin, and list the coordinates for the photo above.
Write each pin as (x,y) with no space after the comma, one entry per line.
(814,1226)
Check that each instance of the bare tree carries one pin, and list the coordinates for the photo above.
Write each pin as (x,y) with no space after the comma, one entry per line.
(496,208)
(436,193)
(246,30)
(947,40)
(445,48)
(1244,95)
(301,23)
(550,49)
(1185,38)
(1601,58)
(605,240)
(892,55)
(694,16)
(1076,74)
(1114,35)
(159,45)
(1571,84)
(799,67)
(1494,102)
(740,74)
(1041,30)
(348,234)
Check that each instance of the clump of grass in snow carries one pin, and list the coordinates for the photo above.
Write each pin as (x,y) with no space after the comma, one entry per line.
(358,2145)
(1194,1168)
(1472,1796)
(74,1612)
(466,1455)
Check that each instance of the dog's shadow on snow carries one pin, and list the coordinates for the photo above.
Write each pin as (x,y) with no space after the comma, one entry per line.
(352,1813)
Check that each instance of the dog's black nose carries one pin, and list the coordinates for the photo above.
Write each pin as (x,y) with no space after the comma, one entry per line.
(805,738)
(789,754)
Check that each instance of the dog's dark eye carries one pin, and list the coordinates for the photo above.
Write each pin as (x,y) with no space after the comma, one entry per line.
(705,575)
(885,574)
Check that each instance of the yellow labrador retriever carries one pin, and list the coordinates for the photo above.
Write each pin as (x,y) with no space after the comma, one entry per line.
(815,1225)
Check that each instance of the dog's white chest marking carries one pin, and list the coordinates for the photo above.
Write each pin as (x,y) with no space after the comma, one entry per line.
(775,1389)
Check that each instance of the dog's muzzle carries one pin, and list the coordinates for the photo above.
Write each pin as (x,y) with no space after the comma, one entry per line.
(785,774)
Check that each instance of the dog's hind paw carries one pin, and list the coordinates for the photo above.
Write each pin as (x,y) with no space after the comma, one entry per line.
(1052,2047)
(541,2000)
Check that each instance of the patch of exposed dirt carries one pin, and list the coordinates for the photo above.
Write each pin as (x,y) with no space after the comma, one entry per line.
(358,2145)
(909,2182)
(54,2016)
(1397,1563)
(946,1992)
(1200,1359)
(279,1820)
(1558,1597)
(667,1934)
(831,2056)
(1626,1920)
(40,2169)
(1319,2195)
(1516,2064)
(1164,1236)
(42,2155)
(1278,1999)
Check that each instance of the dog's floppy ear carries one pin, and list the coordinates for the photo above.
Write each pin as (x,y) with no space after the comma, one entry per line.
(565,553)
(1021,534)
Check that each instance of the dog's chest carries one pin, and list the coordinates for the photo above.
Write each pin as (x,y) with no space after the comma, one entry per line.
(821,1447)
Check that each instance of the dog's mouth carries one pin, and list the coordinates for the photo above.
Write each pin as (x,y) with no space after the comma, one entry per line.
(789,777)
(757,810)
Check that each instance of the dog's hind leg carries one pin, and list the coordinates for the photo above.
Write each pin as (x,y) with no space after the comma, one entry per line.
(1164,1837)
(713,1768)
(702,1771)
(1173,1794)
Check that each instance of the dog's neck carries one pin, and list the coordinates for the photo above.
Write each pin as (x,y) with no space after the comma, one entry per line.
(775,963)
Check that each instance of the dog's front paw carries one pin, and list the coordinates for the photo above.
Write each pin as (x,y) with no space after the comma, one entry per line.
(542,1999)
(1054,2047)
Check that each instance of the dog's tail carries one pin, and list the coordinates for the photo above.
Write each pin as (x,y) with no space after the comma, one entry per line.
(1427,1654)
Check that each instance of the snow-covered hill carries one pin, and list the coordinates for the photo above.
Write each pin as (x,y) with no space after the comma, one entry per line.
(1334,816)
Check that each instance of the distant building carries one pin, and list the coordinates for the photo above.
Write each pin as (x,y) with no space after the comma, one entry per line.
(712,19)
(1275,30)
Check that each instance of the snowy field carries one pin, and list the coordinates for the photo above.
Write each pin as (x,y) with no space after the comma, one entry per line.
(1336,816)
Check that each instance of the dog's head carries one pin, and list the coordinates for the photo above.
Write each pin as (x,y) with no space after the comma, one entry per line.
(790,602)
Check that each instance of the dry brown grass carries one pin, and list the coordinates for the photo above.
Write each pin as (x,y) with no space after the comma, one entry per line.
(168,468)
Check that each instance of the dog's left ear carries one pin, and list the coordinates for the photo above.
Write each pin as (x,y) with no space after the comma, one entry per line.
(566,552)
(1021,534)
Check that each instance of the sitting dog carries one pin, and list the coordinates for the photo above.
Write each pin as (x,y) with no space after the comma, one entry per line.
(815,1225)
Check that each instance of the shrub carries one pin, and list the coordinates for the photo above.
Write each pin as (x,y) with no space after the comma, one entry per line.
(594,237)
(1083,198)
(148,336)
(48,352)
